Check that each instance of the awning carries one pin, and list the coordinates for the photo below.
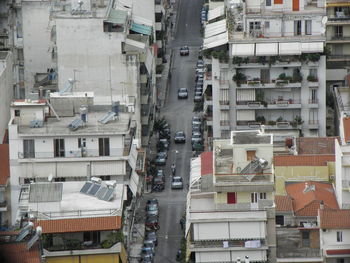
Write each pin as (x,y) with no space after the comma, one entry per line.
(216,12)
(215,41)
(290,48)
(266,49)
(215,28)
(243,49)
(117,16)
(142,29)
(338,4)
(135,43)
(312,47)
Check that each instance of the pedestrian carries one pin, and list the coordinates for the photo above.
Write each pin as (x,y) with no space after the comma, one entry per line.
(182,223)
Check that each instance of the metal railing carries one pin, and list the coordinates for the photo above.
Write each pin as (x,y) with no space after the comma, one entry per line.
(225,123)
(313,122)
(219,243)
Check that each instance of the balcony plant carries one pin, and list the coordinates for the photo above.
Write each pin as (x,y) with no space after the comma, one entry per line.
(223,56)
(271,123)
(112,238)
(262,60)
(279,119)
(237,60)
(246,60)
(207,53)
(239,78)
(260,119)
(254,81)
(272,60)
(314,57)
(297,77)
(312,78)
(298,120)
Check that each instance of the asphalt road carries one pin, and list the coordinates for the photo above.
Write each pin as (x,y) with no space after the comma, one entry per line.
(179,114)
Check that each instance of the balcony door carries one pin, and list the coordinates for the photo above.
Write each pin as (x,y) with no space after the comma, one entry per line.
(265,75)
(295,5)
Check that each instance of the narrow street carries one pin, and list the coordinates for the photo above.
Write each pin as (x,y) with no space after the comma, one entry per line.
(179,114)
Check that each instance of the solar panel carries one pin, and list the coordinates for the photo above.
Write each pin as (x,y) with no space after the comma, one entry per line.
(101,193)
(106,118)
(109,194)
(93,190)
(85,187)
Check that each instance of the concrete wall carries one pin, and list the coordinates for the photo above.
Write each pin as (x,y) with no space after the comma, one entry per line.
(242,197)
(36,39)
(329,239)
(6,92)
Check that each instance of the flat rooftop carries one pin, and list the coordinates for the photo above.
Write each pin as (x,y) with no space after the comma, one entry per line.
(72,203)
(251,137)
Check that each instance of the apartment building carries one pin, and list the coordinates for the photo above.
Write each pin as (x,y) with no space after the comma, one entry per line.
(61,140)
(230,213)
(265,66)
(338,41)
(4,187)
(79,221)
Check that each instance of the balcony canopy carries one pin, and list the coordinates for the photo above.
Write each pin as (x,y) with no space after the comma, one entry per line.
(117,16)
(266,49)
(243,49)
(293,48)
(142,29)
(216,12)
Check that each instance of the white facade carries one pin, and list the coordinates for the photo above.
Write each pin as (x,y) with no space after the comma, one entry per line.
(273,46)
(6,90)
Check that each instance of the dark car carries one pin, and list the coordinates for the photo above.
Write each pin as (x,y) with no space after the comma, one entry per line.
(182,93)
(158,184)
(196,137)
(163,144)
(160,173)
(164,135)
(152,223)
(147,251)
(152,236)
(198,147)
(152,201)
(196,129)
(184,51)
(180,137)
(161,158)
(149,244)
(152,210)
(198,89)
(200,63)
(200,81)
(146,258)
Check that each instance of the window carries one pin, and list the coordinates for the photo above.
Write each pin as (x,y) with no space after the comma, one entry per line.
(313,72)
(313,116)
(268,2)
(105,177)
(81,142)
(255,197)
(338,31)
(251,155)
(339,236)
(262,196)
(231,198)
(267,24)
(305,238)
(93,236)
(58,145)
(297,28)
(280,220)
(254,27)
(308,27)
(103,146)
(28,149)
(340,260)
(17,113)
(60,179)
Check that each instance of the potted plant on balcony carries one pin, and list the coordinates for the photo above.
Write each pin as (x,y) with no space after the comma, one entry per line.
(283,79)
(279,119)
(298,120)
(223,56)
(272,123)
(297,77)
(260,119)
(112,238)
(272,60)
(239,78)
(262,60)
(312,78)
(314,57)
(237,60)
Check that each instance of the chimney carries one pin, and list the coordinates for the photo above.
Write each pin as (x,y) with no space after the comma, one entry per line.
(247,259)
(262,129)
(306,189)
(321,205)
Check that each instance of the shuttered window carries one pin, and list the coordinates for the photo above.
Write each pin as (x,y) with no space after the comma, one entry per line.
(224,95)
(246,95)
(245,115)
(224,115)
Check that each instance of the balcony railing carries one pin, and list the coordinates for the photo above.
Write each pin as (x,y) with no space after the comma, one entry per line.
(225,123)
(340,38)
(314,101)
(3,203)
(113,152)
(224,102)
(208,75)
(313,122)
(219,243)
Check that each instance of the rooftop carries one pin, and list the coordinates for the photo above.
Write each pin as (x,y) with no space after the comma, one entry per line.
(18,253)
(4,164)
(283,203)
(251,137)
(206,163)
(308,196)
(68,202)
(334,219)
(315,145)
(303,160)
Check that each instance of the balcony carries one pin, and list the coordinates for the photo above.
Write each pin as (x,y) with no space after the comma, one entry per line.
(224,104)
(313,124)
(270,125)
(271,85)
(217,244)
(339,39)
(3,206)
(225,125)
(313,104)
(278,104)
(261,205)
(245,105)
(339,19)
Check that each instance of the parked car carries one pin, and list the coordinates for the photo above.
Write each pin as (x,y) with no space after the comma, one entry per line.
(196,120)
(176,182)
(196,137)
(198,97)
(158,184)
(149,244)
(161,158)
(152,210)
(164,135)
(182,93)
(184,51)
(200,81)
(152,222)
(146,258)
(180,137)
(152,201)
(152,236)
(147,251)
(200,63)
(198,147)
(196,129)
(160,173)
(163,144)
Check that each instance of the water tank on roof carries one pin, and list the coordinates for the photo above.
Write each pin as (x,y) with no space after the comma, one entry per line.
(115,107)
(83,113)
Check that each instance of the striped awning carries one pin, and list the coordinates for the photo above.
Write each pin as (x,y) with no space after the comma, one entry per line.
(142,29)
(117,16)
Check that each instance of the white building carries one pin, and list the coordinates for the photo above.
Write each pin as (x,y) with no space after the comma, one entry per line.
(274,72)
(335,235)
(6,90)
(52,140)
(230,212)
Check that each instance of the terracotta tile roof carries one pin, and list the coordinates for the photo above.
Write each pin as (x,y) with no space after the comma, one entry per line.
(80,224)
(18,253)
(206,163)
(315,145)
(335,219)
(283,203)
(338,251)
(303,160)
(4,164)
(346,124)
(307,203)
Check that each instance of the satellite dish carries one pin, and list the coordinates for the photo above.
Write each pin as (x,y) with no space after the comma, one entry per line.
(324,20)
(50,177)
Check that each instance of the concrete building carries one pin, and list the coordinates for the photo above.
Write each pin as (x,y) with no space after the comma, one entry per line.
(5,214)
(80,221)
(266,66)
(307,159)
(298,232)
(230,212)
(6,90)
(48,139)
(335,235)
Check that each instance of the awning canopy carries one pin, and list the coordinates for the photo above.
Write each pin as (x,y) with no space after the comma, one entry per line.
(312,47)
(338,4)
(142,29)
(243,49)
(290,48)
(215,28)
(117,16)
(266,49)
(216,12)
(215,41)
(135,43)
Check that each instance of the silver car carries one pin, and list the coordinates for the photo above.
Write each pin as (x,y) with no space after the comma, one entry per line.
(176,183)
(196,138)
(182,93)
